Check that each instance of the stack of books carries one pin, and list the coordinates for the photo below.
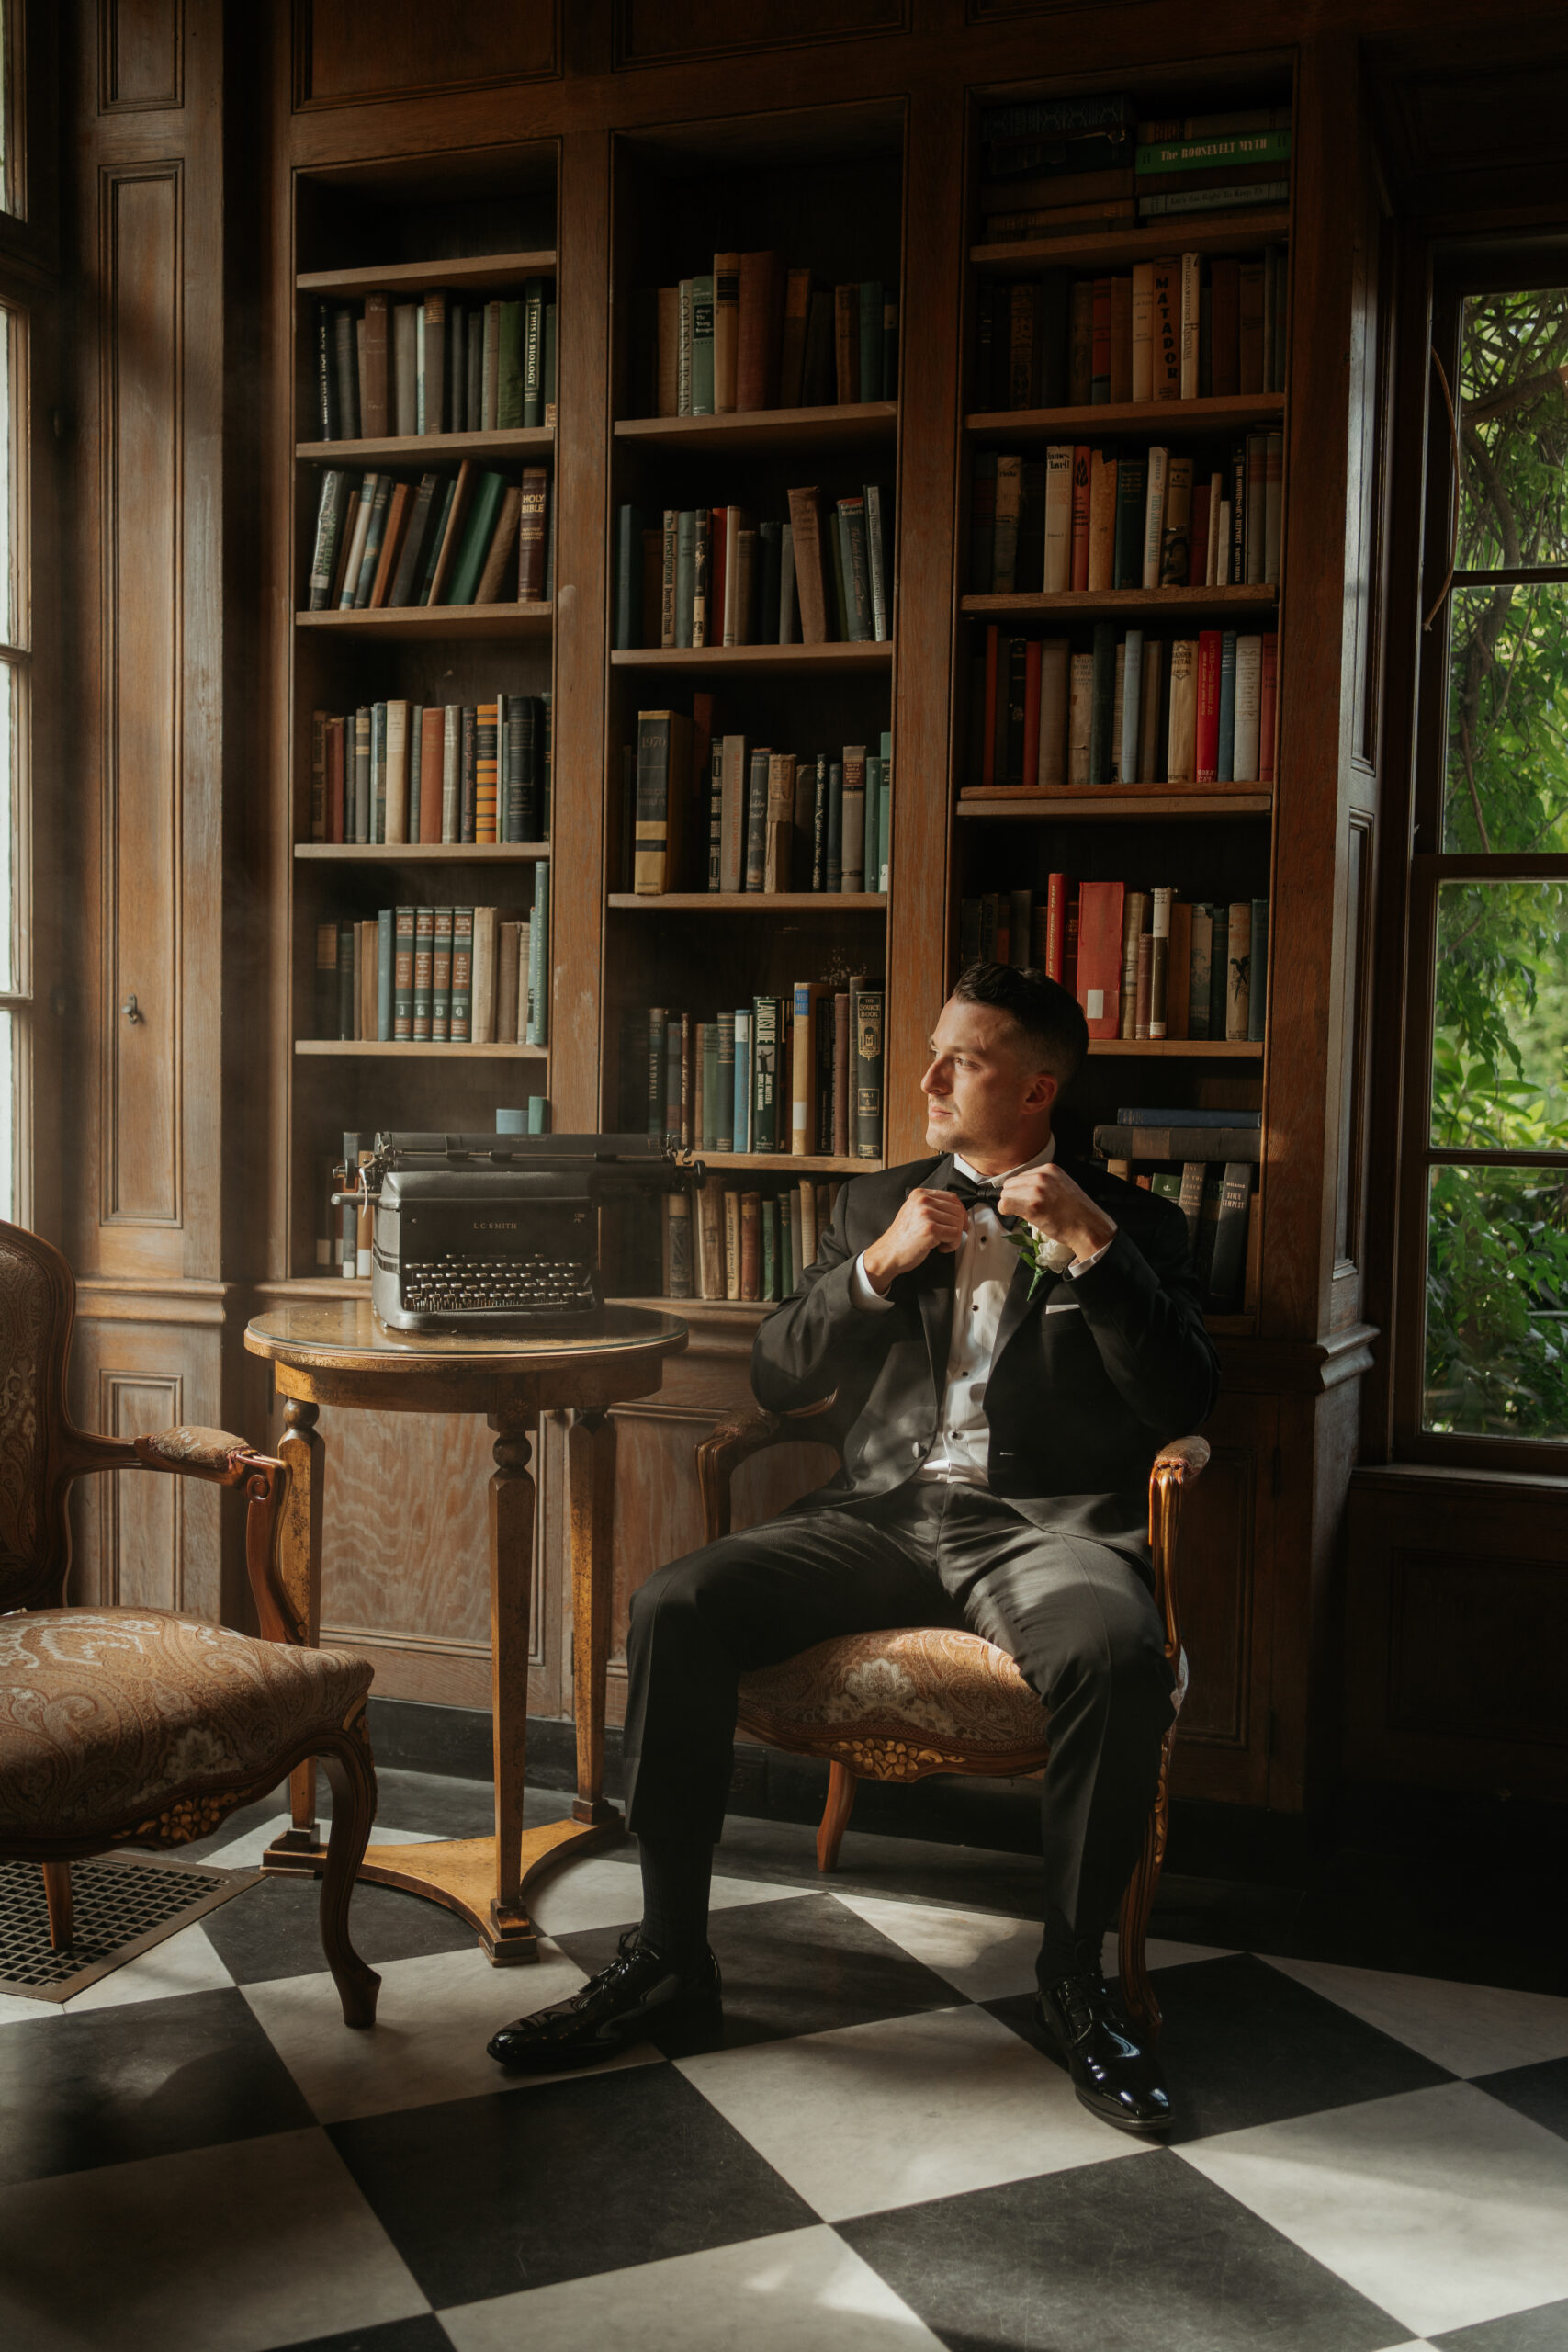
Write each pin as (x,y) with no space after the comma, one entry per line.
(752,333)
(400,771)
(746,1239)
(800,1074)
(1213,163)
(1180,329)
(443,363)
(1076,167)
(1203,1160)
(483,536)
(440,975)
(1121,516)
(1141,963)
(702,809)
(1064,714)
(717,575)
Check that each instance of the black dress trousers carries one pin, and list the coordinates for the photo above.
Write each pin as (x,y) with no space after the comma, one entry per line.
(1077,1616)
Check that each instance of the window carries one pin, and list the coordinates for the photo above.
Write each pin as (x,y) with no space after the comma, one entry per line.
(1491,901)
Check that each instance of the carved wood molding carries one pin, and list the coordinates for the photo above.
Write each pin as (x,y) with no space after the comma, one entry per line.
(121,61)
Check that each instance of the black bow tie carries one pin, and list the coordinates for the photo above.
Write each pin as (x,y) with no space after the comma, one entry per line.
(984,1195)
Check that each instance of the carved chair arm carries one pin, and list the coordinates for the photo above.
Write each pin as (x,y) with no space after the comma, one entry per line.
(721,1453)
(1176,1464)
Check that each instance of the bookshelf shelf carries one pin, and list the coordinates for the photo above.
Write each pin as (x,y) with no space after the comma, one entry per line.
(409,448)
(423,853)
(728,1310)
(758,660)
(1190,1049)
(787,1163)
(1122,801)
(357,1048)
(756,902)
(438,621)
(844,427)
(1237,232)
(416,276)
(1040,604)
(1165,419)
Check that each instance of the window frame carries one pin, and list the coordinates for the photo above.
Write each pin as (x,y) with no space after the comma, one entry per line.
(1457,274)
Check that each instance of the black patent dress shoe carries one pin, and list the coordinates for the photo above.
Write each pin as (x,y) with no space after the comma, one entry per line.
(1114,2076)
(639,1987)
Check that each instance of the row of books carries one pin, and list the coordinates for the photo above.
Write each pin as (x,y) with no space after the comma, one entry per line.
(401,771)
(1057,713)
(1141,963)
(440,975)
(1215,1197)
(800,1073)
(765,820)
(345,1229)
(1077,165)
(481,535)
(751,333)
(1178,329)
(718,576)
(750,1240)
(1116,517)
(443,363)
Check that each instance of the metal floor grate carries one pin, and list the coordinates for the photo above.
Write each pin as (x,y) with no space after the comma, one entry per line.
(122,1907)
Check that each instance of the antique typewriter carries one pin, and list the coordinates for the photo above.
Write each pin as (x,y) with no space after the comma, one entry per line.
(499,1232)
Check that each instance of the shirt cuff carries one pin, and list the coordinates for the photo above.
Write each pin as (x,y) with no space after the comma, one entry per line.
(1082,1265)
(862,1291)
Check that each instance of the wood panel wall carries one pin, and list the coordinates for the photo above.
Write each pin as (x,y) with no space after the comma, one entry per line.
(187,126)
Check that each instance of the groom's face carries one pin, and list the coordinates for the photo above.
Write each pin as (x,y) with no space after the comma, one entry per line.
(986,1095)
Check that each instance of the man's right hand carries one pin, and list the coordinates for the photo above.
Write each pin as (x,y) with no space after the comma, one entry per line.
(927,1221)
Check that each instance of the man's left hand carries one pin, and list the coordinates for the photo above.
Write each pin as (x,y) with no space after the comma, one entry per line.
(1048,1199)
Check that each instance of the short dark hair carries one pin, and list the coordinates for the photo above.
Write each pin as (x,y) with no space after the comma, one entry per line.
(1049,1017)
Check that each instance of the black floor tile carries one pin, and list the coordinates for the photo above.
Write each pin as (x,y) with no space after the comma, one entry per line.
(1112,2258)
(274,1928)
(903,1869)
(1545,2329)
(111,2084)
(1540,2092)
(484,2196)
(1243,2044)
(424,2333)
(804,1965)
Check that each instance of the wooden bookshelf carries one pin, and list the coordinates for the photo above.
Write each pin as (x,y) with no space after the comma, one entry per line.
(1161,419)
(784,1163)
(423,853)
(1126,801)
(361,1048)
(758,660)
(1209,1049)
(474,272)
(436,621)
(431,449)
(1238,233)
(1088,604)
(853,425)
(747,902)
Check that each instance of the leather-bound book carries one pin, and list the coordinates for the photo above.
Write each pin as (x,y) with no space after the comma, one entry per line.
(375,406)
(805,517)
(761,331)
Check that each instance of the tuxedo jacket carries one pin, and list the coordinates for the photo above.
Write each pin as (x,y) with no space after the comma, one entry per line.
(1089,1377)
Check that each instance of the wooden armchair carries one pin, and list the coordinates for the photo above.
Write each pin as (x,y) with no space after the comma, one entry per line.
(144,1726)
(900,1704)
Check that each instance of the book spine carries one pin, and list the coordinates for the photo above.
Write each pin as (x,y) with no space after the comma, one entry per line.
(852,836)
(866,1014)
(802,1069)
(539,964)
(757,819)
(1159,961)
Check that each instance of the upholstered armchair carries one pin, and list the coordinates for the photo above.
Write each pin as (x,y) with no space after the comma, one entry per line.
(130,1727)
(901,1704)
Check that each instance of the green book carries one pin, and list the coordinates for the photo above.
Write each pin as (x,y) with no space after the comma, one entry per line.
(402,973)
(1166,1182)
(707,1031)
(721,1035)
(870,340)
(539,960)
(549,385)
(767,1042)
(701,345)
(478,533)
(685,573)
(441,977)
(866,1008)
(531,386)
(461,1031)
(1102,704)
(1127,552)
(509,373)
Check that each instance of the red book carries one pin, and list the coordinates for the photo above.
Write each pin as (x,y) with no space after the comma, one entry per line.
(1206,747)
(1099,977)
(1268,704)
(1070,944)
(1080,516)
(717,534)
(1031,776)
(1058,892)
(1100,372)
(334,779)
(988,740)
(431,769)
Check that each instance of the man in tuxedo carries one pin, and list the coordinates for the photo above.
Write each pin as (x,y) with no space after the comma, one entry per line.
(997,1429)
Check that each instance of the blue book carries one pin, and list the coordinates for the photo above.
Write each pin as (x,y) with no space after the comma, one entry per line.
(743,1129)
(386,948)
(1183,1115)
(1225,766)
(539,1116)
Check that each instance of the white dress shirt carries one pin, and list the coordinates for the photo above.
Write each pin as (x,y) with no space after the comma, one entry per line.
(982,1273)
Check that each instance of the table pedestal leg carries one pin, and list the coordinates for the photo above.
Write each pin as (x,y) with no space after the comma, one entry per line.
(303,1449)
(591,1475)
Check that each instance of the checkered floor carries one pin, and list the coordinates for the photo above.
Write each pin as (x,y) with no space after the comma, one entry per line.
(196,2156)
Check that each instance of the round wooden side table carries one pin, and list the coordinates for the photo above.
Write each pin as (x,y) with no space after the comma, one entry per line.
(337,1352)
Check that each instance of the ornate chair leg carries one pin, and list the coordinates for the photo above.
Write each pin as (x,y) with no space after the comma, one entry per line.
(57,1895)
(842,1786)
(1137,1903)
(353,1781)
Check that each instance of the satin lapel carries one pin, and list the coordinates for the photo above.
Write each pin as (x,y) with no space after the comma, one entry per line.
(1018,1306)
(936,1279)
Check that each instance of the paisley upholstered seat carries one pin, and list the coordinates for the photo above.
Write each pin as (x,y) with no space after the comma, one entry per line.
(133,1723)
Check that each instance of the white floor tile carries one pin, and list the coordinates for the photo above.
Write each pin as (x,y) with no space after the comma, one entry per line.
(1442,2206)
(1469,2029)
(19,2012)
(244,1853)
(185,1964)
(874,2116)
(803,2293)
(985,1953)
(226,2249)
(433,2017)
(599,1893)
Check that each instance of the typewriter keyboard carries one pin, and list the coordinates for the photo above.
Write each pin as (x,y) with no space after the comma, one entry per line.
(520,1286)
